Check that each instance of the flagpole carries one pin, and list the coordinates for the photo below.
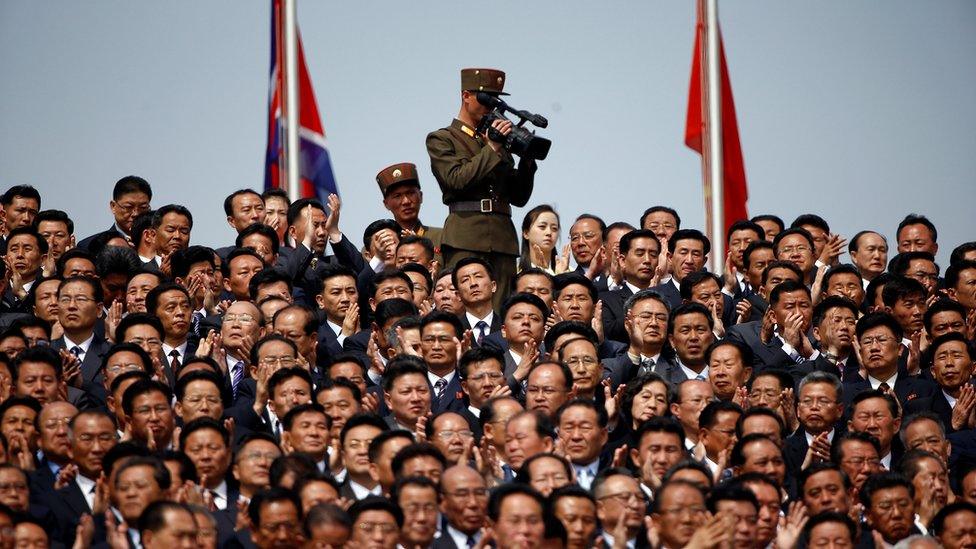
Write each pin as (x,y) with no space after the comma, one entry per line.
(713,124)
(291,101)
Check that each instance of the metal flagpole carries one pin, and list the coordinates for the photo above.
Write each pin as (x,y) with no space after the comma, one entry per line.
(291,101)
(715,175)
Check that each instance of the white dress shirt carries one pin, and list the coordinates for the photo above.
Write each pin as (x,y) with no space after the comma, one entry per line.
(362,492)
(875,383)
(473,322)
(87,487)
(84,345)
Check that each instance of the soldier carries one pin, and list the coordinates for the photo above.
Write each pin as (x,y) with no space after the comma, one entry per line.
(480,182)
(403,197)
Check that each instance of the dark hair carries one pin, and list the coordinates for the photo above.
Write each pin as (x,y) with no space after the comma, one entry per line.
(160,472)
(658,425)
(901,262)
(124,449)
(523,476)
(564,280)
(144,357)
(871,292)
(788,232)
(403,482)
(893,406)
(689,234)
(523,297)
(201,424)
(752,247)
(131,184)
(916,219)
(769,217)
(617,225)
(41,354)
(875,320)
(284,374)
(812,220)
(786,286)
(267,497)
(819,467)
(601,412)
(375,503)
(377,226)
(832,302)
(479,354)
(259,229)
(90,282)
(745,352)
(199,375)
(688,284)
(42,244)
(400,366)
(665,209)
(411,451)
(152,298)
(737,458)
(686,464)
(909,464)
(745,225)
(709,414)
(568,327)
(158,215)
(229,201)
(570,491)
(563,369)
(298,464)
(883,481)
(958,506)
(530,217)
(471,261)
(843,268)
(941,306)
(636,385)
(855,245)
(543,425)
(837,446)
(954,271)
(182,260)
(677,483)
(756,411)
(141,387)
(830,516)
(56,216)
(422,271)
(153,517)
(730,492)
(239,252)
(308,407)
(901,287)
(25,401)
(141,224)
(359,420)
(296,207)
(780,264)
(689,309)
(599,221)
(643,295)
(627,240)
(20,191)
(499,494)
(425,243)
(959,252)
(437,316)
(380,278)
(531,271)
(379,440)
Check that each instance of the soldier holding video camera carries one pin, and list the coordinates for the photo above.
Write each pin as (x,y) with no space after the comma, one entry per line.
(480,181)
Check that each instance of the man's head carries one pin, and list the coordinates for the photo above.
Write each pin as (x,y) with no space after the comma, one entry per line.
(955,525)
(207,443)
(574,297)
(243,208)
(171,304)
(880,337)
(729,367)
(687,252)
(843,280)
(406,389)
(834,321)
(646,320)
(19,206)
(830,529)
(790,300)
(738,237)
(37,372)
(79,305)
(869,253)
(575,508)
(742,505)
(755,257)
(619,497)
(691,397)
(797,246)
(858,454)
(820,402)
(464,498)
(440,335)
(418,499)
(166,524)
(917,234)
(474,280)
(402,196)
(660,440)
(275,518)
(960,283)
(889,507)
(678,511)
(137,482)
(130,197)
(586,238)
(93,433)
(355,438)
(756,453)
(527,433)
(146,404)
(925,431)
(545,472)
(824,487)
(582,426)
(482,370)
(171,224)
(306,428)
(516,515)
(690,333)
(639,251)
(716,426)
(53,427)
(662,220)
(241,325)
(905,299)
(451,433)
(382,450)
(547,386)
(252,461)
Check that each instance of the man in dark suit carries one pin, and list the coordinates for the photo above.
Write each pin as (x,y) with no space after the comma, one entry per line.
(465,515)
(639,251)
(54,442)
(755,258)
(440,333)
(524,318)
(80,302)
(585,448)
(586,240)
(480,181)
(130,197)
(834,320)
(476,285)
(25,253)
(19,206)
(952,369)
(171,303)
(819,410)
(880,337)
(706,288)
(687,253)
(738,237)
(690,334)
(780,340)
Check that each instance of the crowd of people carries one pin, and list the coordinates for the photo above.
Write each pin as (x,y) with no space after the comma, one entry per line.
(296,389)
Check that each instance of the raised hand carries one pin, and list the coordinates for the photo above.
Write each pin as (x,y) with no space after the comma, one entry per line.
(562,262)
(741,397)
(85,532)
(767,326)
(66,475)
(791,525)
(350,324)
(716,531)
(370,403)
(832,250)
(71,366)
(819,450)
(787,408)
(817,283)
(731,280)
(719,326)
(620,456)
(332,220)
(598,264)
(116,534)
(597,322)
(962,413)
(743,310)
(538,257)
(420,430)
(112,320)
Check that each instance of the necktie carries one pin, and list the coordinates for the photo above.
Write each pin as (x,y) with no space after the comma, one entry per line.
(884,387)
(76,350)
(482,327)
(646,367)
(700,377)
(195,322)
(174,362)
(470,542)
(237,374)
(439,387)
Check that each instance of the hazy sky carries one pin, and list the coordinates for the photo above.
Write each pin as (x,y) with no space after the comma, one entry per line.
(860,111)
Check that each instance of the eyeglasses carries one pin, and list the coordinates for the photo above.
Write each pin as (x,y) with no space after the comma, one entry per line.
(356,444)
(624,498)
(448,435)
(385,527)
(118,368)
(821,402)
(255,456)
(584,235)
(152,342)
(889,505)
(278,526)
(242,318)
(584,360)
(79,299)
(859,462)
(492,376)
(880,340)
(654,226)
(15,486)
(693,511)
(129,208)
(283,361)
(52,424)
(145,410)
(790,249)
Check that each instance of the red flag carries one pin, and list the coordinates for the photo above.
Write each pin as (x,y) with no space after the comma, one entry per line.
(735,192)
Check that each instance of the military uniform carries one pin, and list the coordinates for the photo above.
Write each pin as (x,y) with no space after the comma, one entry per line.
(406,173)
(480,186)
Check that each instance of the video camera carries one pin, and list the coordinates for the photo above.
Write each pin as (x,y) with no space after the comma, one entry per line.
(520,141)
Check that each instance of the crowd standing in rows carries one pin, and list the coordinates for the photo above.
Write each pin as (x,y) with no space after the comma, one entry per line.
(448,388)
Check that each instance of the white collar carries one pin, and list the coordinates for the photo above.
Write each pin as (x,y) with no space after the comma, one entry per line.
(691,374)
(473,321)
(950,399)
(460,538)
(475,411)
(637,359)
(631,543)
(181,348)
(84,345)
(362,492)
(220,495)
(633,289)
(335,327)
(875,383)
(432,377)
(830,436)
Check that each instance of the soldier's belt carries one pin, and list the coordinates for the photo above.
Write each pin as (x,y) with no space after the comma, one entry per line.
(485,205)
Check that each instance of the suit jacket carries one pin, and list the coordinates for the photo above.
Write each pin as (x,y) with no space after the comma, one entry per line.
(328,345)
(495,327)
(467,169)
(91,365)
(795,447)
(767,355)
(87,241)
(600,281)
(821,364)
(67,505)
(913,393)
(451,399)
(444,542)
(670,293)
(759,306)
(669,369)
(613,314)
(940,406)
